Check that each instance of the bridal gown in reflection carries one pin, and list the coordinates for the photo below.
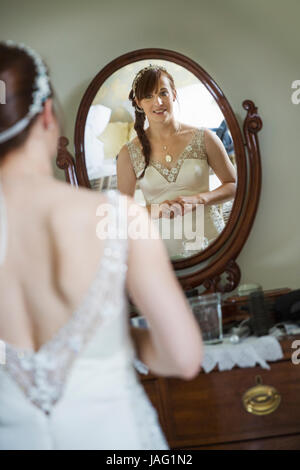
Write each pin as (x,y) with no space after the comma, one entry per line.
(80,390)
(189,176)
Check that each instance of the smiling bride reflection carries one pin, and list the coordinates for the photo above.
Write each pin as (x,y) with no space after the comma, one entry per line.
(170,162)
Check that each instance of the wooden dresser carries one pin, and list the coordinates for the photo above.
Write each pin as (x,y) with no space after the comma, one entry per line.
(208,412)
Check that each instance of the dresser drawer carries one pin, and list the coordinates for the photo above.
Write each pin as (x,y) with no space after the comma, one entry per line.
(209,409)
(291,442)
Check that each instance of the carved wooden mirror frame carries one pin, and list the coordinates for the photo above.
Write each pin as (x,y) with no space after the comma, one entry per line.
(215,268)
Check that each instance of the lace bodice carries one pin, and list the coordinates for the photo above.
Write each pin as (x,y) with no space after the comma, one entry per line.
(43,374)
(189,176)
(194,150)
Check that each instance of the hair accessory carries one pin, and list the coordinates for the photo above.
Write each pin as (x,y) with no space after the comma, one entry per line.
(139,110)
(41,92)
(141,73)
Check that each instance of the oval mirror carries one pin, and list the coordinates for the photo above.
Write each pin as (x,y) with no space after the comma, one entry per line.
(105,124)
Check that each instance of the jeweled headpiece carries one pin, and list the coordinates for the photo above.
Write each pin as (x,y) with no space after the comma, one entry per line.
(41,92)
(141,73)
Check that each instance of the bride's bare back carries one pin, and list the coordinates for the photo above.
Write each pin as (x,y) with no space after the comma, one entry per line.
(51,258)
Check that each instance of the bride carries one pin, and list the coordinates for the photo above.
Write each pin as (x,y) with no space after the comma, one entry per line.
(67,379)
(171,163)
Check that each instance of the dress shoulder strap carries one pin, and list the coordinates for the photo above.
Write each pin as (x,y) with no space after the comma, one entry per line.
(119,221)
(199,143)
(137,158)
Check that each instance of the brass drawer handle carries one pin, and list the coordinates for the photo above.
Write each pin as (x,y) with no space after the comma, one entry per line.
(261,399)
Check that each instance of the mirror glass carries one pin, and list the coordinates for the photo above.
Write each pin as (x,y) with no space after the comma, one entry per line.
(110,125)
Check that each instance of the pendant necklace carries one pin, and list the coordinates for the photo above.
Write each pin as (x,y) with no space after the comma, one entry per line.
(168,157)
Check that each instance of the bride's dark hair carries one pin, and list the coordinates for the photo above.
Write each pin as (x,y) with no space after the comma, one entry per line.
(17,73)
(145,86)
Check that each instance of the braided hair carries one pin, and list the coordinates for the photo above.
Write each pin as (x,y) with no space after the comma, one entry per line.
(143,86)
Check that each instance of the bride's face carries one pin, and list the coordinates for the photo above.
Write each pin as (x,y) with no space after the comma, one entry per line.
(158,105)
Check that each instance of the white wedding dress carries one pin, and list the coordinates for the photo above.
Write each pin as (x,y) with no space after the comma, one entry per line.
(80,390)
(189,175)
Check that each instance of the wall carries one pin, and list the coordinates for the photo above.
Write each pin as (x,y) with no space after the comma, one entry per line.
(249,48)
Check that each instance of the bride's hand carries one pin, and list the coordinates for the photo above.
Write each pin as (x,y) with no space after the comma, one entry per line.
(163,209)
(169,209)
(189,203)
(178,206)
